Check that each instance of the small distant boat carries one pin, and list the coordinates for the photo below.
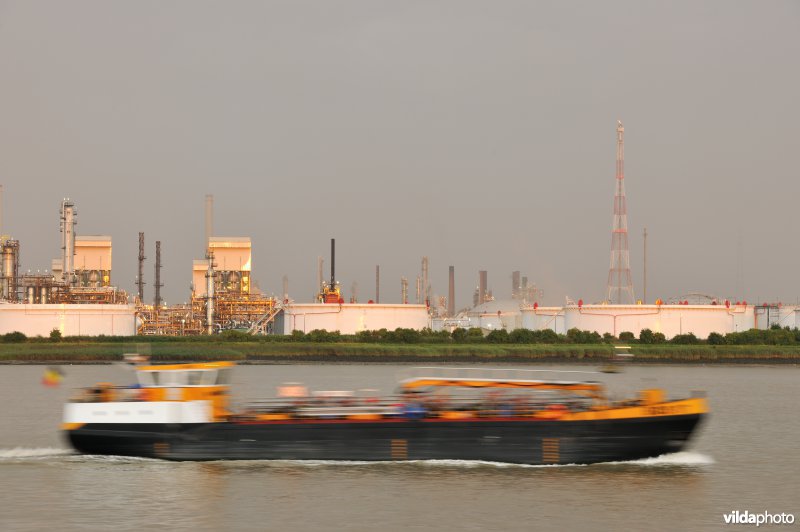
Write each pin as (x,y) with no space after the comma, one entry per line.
(182,412)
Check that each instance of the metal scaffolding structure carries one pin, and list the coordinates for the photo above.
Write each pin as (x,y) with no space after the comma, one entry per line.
(246,313)
(177,320)
(109,295)
(38,288)
(226,304)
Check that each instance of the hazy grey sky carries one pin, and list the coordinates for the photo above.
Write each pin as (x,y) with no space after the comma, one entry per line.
(481,134)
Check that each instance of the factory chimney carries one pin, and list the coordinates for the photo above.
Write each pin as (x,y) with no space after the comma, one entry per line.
(377,284)
(426,292)
(451,294)
(515,286)
(319,274)
(140,279)
(157,283)
(482,281)
(209,220)
(333,262)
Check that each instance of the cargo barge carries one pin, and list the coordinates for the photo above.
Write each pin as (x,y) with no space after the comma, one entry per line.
(182,412)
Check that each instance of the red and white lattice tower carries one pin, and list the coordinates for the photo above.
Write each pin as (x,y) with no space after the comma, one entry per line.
(620,285)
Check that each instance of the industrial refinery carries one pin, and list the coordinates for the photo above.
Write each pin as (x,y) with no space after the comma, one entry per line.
(77,296)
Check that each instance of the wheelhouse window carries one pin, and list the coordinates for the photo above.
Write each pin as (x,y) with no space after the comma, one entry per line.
(209,377)
(179,378)
(146,378)
(224,376)
(174,378)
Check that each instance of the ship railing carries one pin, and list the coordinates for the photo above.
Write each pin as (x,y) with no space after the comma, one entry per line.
(314,406)
(493,374)
(323,412)
(422,406)
(106,394)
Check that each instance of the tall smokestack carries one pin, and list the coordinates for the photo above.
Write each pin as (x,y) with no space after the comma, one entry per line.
(140,280)
(157,284)
(377,283)
(515,286)
(333,262)
(209,219)
(482,281)
(1,209)
(319,275)
(451,295)
(426,296)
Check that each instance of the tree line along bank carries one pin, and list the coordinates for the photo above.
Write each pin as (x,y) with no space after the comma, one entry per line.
(773,336)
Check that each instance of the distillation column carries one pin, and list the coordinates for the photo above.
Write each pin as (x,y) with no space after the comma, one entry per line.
(210,294)
(68,222)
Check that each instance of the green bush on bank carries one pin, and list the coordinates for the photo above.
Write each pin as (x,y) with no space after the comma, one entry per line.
(15,337)
(255,351)
(775,336)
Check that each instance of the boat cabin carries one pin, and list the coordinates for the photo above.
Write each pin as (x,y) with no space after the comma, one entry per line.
(184,375)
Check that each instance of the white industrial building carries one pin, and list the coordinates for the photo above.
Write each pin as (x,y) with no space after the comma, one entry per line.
(670,320)
(491,315)
(349,318)
(70,320)
(91,261)
(232,266)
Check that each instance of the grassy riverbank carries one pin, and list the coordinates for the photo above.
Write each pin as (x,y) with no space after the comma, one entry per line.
(99,351)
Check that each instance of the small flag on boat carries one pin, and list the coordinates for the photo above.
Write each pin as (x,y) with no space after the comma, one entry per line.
(52,376)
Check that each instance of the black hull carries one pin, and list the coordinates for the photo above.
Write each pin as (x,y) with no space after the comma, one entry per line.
(496,440)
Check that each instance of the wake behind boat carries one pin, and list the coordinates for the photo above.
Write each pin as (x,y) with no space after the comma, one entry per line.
(182,412)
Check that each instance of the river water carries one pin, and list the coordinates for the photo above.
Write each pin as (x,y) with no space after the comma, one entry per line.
(745,457)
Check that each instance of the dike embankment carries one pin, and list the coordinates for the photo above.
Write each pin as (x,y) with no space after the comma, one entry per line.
(260,352)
